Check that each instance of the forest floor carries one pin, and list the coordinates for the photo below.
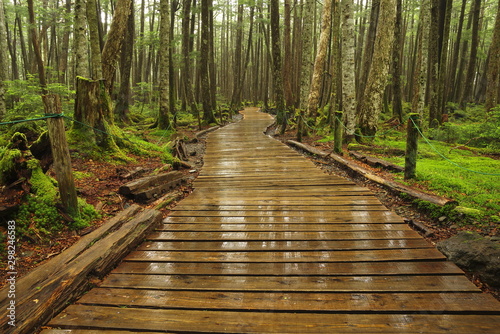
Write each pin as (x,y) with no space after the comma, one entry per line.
(102,180)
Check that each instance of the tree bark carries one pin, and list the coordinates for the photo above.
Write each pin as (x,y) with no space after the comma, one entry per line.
(3,61)
(208,114)
(277,67)
(163,118)
(397,100)
(319,63)
(80,40)
(378,76)
(493,69)
(421,68)
(186,61)
(307,50)
(122,104)
(95,44)
(113,45)
(349,101)
(467,92)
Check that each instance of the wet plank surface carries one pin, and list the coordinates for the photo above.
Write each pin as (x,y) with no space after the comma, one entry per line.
(268,243)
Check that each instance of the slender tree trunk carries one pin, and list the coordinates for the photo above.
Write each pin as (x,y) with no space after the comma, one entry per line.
(421,68)
(493,69)
(163,119)
(307,49)
(456,52)
(319,63)
(122,104)
(3,61)
(277,67)
(443,69)
(174,6)
(349,101)
(378,76)
(80,40)
(397,101)
(467,89)
(434,52)
(186,63)
(95,44)
(208,114)
(235,102)
(287,61)
(368,50)
(113,45)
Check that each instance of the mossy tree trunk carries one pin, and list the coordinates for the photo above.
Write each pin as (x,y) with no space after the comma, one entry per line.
(91,103)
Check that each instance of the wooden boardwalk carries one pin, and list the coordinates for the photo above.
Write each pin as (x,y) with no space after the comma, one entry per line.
(268,243)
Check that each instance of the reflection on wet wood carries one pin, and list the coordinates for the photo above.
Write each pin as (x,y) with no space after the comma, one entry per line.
(268,243)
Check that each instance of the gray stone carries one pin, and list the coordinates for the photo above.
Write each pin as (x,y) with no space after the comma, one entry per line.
(474,253)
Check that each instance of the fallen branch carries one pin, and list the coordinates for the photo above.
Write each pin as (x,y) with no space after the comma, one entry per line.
(392,185)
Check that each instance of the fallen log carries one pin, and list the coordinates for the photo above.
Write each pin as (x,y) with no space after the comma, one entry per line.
(204,132)
(307,148)
(376,162)
(392,185)
(46,290)
(137,186)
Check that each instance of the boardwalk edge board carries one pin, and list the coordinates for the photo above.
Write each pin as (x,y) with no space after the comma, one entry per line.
(394,186)
(46,290)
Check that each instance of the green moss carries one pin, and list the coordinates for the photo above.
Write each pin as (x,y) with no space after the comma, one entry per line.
(39,217)
(7,163)
(81,175)
(474,213)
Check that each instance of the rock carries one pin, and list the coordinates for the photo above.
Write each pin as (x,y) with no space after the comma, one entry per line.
(474,253)
(442,219)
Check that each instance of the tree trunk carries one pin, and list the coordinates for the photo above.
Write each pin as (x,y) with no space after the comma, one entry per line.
(421,69)
(113,45)
(235,102)
(368,50)
(208,114)
(307,49)
(378,76)
(186,61)
(95,44)
(319,63)
(468,87)
(277,67)
(397,101)
(122,104)
(80,40)
(287,62)
(493,69)
(349,100)
(163,119)
(3,61)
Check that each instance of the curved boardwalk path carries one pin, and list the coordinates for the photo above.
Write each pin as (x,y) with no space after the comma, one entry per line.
(268,243)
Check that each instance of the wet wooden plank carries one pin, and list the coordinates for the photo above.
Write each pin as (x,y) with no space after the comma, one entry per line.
(284,236)
(457,283)
(356,217)
(270,322)
(280,227)
(292,301)
(289,255)
(291,269)
(284,245)
(361,205)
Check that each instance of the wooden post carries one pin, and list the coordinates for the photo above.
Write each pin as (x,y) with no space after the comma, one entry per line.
(60,153)
(338,131)
(411,146)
